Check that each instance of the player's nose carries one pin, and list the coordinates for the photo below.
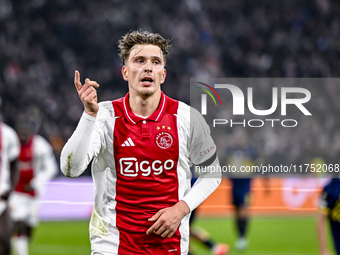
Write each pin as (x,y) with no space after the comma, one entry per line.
(148,67)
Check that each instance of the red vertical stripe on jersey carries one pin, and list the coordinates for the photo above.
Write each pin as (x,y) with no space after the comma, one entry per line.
(25,165)
(147,178)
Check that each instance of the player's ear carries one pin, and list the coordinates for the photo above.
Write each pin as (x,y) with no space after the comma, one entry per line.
(163,76)
(125,73)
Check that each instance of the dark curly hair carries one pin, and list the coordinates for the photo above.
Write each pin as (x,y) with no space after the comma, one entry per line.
(141,37)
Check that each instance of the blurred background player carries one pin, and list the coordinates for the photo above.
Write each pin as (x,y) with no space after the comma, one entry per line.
(241,154)
(329,210)
(37,165)
(9,152)
(201,235)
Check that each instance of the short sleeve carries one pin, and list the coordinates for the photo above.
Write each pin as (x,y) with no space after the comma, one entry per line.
(329,196)
(202,146)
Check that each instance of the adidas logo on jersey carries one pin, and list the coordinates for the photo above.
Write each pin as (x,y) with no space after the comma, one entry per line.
(128,142)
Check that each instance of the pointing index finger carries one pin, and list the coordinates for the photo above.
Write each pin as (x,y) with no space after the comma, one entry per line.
(77,82)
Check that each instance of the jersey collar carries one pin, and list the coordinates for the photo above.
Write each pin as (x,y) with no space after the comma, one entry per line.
(156,116)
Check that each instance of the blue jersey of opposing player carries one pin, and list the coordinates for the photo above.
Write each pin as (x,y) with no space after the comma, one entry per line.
(330,203)
(241,156)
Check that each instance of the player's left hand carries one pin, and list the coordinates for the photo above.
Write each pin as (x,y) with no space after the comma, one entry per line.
(167,220)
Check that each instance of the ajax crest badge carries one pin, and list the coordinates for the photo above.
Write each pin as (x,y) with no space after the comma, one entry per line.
(164,140)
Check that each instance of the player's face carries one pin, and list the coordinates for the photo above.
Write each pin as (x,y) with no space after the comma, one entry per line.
(23,133)
(144,70)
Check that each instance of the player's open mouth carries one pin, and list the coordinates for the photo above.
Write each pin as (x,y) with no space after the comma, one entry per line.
(147,80)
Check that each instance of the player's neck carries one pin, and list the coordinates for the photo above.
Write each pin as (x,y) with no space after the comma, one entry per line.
(144,106)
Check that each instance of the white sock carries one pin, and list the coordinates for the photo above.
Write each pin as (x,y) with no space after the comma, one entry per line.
(21,245)
(13,244)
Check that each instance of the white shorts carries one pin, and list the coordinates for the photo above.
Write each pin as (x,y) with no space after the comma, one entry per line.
(24,207)
(102,253)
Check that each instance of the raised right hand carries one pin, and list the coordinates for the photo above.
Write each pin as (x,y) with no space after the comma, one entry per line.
(87,94)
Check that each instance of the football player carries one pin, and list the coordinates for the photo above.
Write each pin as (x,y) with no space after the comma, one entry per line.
(142,146)
(9,152)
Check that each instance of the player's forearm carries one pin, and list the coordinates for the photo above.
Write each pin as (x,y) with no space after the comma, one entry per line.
(201,191)
(321,232)
(204,186)
(76,154)
(52,168)
(45,173)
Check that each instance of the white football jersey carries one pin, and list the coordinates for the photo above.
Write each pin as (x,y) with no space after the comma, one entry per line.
(141,165)
(9,151)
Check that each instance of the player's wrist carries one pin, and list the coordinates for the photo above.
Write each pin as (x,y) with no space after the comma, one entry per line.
(91,113)
(183,207)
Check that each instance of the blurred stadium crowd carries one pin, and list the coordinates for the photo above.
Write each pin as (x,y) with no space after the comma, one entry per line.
(42,43)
